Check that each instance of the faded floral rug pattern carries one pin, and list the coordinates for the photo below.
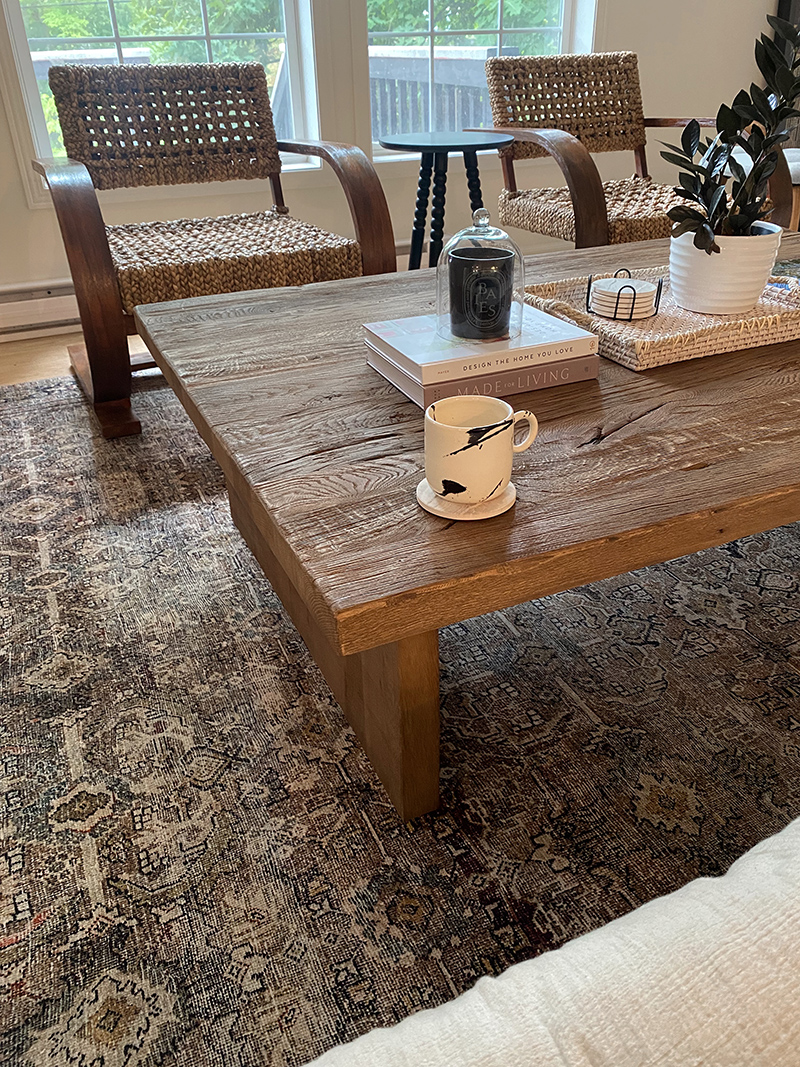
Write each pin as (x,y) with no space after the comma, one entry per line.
(197,864)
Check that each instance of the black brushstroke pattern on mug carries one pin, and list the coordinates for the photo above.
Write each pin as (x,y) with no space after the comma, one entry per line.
(479,434)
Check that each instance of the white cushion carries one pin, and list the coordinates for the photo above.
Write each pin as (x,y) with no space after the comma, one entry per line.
(793,159)
(707,975)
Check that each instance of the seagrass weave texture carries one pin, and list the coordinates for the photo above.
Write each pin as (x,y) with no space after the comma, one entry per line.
(135,125)
(595,97)
(637,210)
(199,257)
(674,334)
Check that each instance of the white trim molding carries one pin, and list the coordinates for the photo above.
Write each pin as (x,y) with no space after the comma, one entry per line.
(19,120)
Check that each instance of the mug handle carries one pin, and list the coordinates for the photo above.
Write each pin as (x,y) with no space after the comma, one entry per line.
(530,418)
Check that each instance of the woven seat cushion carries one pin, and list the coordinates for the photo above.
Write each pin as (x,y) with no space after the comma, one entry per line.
(637,210)
(158,261)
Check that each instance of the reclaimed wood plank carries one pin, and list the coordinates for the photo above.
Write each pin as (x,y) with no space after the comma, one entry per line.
(629,470)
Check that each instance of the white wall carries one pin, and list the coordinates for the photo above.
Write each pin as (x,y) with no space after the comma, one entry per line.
(693,54)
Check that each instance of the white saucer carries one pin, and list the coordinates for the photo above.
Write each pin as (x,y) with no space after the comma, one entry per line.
(608,286)
(451,509)
(623,315)
(623,305)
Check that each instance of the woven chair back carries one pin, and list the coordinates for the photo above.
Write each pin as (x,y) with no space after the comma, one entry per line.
(134,125)
(595,97)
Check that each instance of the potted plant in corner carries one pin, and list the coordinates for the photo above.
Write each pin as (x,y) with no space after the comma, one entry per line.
(722,247)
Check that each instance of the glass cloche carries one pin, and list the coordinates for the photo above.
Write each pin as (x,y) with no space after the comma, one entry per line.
(480,281)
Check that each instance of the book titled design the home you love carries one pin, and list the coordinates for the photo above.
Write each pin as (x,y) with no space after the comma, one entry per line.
(416,347)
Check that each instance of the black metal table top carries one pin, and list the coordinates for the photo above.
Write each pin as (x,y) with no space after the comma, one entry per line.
(445,142)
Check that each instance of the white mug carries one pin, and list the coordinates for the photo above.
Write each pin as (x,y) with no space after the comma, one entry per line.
(469,446)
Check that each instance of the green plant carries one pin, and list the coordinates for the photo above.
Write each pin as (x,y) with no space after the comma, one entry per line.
(755,123)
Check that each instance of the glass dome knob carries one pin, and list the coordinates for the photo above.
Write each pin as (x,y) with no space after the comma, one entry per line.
(481,217)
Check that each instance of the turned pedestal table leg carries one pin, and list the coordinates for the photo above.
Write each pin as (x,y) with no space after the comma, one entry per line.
(437,207)
(473,180)
(421,212)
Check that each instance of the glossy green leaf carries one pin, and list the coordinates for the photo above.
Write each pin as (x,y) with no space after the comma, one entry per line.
(687,226)
(690,138)
(728,122)
(761,102)
(704,238)
(737,170)
(680,161)
(778,56)
(718,204)
(766,65)
(785,82)
(679,213)
(785,30)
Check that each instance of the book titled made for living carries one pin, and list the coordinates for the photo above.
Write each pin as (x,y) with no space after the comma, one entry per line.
(502,383)
(415,345)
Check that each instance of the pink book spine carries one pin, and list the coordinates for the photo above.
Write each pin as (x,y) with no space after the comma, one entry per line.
(507,383)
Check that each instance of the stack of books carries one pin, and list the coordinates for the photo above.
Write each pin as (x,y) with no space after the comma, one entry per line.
(427,367)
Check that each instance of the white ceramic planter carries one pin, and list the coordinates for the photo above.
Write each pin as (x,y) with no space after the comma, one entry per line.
(725,283)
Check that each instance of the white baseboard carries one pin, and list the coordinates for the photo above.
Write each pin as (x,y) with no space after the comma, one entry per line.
(28,312)
(33,332)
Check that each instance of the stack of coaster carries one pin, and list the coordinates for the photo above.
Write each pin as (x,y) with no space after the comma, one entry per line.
(623,298)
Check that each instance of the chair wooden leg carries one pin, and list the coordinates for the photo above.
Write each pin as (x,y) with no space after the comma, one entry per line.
(105,378)
(794,222)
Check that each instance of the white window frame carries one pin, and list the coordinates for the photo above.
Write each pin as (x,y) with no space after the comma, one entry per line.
(577,35)
(26,116)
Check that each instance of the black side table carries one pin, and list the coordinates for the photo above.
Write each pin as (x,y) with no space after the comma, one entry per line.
(434,148)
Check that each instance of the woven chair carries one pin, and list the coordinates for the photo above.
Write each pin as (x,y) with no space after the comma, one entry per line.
(567,107)
(134,126)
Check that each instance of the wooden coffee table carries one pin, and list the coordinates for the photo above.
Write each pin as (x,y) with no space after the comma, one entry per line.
(322,457)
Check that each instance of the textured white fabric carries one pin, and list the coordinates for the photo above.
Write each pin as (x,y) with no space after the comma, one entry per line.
(793,159)
(707,975)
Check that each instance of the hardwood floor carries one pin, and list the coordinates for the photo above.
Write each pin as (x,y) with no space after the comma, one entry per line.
(35,358)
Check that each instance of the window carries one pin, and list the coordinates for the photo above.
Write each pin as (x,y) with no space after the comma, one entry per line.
(154,31)
(426,57)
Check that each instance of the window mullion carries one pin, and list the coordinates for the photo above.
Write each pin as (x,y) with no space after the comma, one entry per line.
(206,31)
(112,14)
(431,63)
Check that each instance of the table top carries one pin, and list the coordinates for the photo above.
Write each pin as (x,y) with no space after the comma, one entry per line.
(632,469)
(446,142)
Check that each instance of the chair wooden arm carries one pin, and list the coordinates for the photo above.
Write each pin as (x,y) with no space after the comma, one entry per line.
(582,177)
(93,274)
(368,207)
(780,192)
(680,122)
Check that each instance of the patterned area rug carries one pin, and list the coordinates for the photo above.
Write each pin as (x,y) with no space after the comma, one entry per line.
(199,866)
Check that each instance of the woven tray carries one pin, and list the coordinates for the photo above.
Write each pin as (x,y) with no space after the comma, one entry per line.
(674,334)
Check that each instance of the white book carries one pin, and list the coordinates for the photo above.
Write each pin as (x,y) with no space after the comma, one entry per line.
(415,345)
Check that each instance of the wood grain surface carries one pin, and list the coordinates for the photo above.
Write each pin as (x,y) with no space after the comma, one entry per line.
(632,469)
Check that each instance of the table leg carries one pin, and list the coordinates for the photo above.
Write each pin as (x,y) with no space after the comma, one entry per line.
(437,207)
(389,694)
(421,212)
(473,180)
(392,703)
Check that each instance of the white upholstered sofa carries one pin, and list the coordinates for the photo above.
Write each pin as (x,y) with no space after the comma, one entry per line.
(709,974)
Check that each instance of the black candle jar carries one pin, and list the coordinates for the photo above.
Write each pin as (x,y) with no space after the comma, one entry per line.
(481,287)
(480,282)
